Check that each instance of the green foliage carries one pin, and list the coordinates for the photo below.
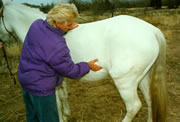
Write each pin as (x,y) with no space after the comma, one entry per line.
(1,4)
(156,4)
(46,8)
(173,3)
(81,6)
(101,6)
(98,7)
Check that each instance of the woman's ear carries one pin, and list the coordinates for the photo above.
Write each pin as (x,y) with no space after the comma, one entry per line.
(74,25)
(56,23)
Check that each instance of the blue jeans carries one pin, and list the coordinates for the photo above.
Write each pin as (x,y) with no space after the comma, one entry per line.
(41,108)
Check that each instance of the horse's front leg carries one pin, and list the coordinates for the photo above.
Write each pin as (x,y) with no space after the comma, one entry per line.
(62,102)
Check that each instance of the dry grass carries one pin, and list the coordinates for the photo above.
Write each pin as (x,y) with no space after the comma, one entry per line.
(13,50)
(166,20)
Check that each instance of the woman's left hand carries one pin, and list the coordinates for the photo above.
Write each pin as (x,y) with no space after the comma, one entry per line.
(74,25)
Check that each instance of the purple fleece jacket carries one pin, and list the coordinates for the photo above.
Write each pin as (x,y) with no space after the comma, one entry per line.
(45,59)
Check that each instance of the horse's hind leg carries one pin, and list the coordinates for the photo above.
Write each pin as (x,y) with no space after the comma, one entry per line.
(62,102)
(127,86)
(145,87)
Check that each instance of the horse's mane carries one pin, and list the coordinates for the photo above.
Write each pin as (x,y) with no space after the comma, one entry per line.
(23,8)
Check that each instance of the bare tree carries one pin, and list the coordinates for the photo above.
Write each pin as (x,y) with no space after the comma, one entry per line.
(173,3)
(77,3)
(100,6)
(1,4)
(156,4)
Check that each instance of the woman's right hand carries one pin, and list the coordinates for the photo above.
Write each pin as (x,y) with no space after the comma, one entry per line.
(94,66)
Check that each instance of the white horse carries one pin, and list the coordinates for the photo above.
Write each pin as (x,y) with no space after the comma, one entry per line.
(131,51)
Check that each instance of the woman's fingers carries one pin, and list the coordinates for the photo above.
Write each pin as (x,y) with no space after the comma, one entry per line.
(94,66)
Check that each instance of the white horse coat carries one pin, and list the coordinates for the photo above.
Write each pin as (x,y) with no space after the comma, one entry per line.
(130,50)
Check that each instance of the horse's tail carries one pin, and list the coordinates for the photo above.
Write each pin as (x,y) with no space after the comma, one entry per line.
(158,87)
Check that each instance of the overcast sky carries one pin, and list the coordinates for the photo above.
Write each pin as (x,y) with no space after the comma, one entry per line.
(38,2)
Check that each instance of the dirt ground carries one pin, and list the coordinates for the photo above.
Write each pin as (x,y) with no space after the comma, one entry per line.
(98,101)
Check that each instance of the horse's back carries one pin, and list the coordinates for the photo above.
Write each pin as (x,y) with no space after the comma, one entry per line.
(119,43)
(116,35)
(122,28)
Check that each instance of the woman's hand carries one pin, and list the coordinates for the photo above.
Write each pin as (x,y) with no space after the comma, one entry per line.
(74,25)
(94,66)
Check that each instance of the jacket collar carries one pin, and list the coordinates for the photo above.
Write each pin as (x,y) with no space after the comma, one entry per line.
(56,30)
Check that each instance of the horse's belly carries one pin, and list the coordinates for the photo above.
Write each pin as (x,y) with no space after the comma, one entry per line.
(87,56)
(95,76)
(85,52)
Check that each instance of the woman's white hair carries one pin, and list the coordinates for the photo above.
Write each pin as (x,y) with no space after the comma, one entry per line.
(62,12)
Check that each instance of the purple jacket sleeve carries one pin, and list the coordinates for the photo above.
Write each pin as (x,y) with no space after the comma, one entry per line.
(62,63)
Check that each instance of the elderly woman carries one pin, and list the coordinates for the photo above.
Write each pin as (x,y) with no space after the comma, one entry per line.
(45,59)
